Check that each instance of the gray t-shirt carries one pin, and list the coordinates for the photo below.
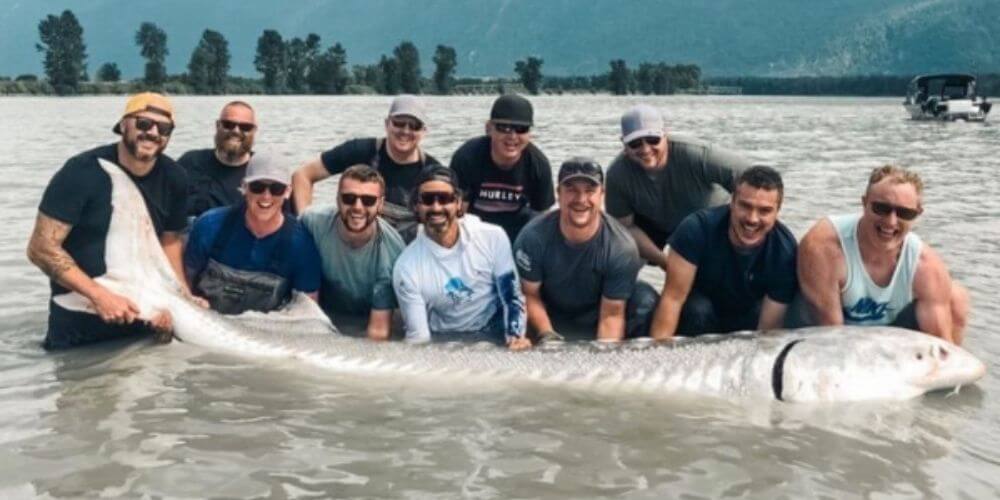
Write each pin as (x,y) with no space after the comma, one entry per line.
(575,277)
(697,176)
(355,280)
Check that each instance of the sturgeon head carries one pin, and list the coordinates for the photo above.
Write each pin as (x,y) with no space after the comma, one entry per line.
(877,363)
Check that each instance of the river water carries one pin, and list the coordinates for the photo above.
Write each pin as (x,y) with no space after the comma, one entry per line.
(178,422)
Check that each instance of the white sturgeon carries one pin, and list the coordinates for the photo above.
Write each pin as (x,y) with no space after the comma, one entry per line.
(820,364)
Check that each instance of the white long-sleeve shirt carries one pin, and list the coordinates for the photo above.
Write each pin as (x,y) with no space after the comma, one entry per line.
(471,287)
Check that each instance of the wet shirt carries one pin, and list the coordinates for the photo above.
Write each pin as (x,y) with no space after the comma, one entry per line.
(244,251)
(80,195)
(574,277)
(355,280)
(399,178)
(507,197)
(212,183)
(697,176)
(734,281)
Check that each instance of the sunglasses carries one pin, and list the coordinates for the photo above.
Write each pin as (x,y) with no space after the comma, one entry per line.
(884,209)
(349,199)
(244,127)
(258,187)
(146,124)
(413,125)
(637,143)
(506,128)
(441,198)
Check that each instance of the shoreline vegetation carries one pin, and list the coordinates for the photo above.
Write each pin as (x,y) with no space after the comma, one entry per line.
(297,66)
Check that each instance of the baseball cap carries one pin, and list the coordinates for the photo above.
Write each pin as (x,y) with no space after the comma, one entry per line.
(436,172)
(264,167)
(145,101)
(408,105)
(513,109)
(641,121)
(580,167)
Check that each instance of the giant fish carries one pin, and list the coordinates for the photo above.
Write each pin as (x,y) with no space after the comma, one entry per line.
(811,365)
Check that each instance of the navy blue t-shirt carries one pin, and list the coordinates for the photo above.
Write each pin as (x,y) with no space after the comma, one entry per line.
(400,179)
(247,253)
(734,281)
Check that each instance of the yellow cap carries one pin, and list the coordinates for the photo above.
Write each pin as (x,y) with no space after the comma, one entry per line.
(146,101)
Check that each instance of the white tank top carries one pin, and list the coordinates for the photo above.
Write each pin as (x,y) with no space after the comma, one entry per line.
(864,302)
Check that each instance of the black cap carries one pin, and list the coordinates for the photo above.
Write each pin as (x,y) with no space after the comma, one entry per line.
(513,109)
(435,172)
(580,167)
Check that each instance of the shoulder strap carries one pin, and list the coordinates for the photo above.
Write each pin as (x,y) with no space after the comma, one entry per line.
(374,162)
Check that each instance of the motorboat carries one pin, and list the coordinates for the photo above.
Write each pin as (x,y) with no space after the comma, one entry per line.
(945,97)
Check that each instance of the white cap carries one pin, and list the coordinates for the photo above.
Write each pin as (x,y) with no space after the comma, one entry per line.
(641,121)
(263,167)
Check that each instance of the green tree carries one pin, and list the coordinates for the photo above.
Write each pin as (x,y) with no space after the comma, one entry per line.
(152,42)
(65,53)
(299,57)
(328,73)
(367,74)
(644,78)
(208,69)
(270,61)
(618,78)
(109,72)
(530,73)
(445,61)
(408,62)
(389,75)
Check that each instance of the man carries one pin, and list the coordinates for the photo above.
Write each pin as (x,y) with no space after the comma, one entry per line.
(456,281)
(215,175)
(730,267)
(398,157)
(658,180)
(506,178)
(870,269)
(68,240)
(251,256)
(578,266)
(357,250)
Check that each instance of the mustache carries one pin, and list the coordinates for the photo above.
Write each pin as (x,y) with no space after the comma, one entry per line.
(148,137)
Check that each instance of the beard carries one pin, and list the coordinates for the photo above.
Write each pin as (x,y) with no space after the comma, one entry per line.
(345,220)
(233,151)
(132,146)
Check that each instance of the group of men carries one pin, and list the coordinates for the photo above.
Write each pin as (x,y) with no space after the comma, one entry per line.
(475,250)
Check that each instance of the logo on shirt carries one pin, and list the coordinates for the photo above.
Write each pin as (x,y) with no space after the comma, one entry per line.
(523,261)
(866,309)
(457,291)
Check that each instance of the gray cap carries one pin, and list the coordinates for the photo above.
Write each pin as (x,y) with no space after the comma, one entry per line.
(408,105)
(641,121)
(264,167)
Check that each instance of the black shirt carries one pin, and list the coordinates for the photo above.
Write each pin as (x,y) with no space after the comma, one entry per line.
(508,197)
(212,183)
(80,195)
(399,179)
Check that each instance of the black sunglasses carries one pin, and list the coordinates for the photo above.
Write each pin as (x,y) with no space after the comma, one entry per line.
(349,199)
(244,127)
(430,197)
(146,124)
(506,128)
(258,187)
(637,143)
(903,213)
(413,125)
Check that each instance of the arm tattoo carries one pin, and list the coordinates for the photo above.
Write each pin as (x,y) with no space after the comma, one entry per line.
(45,248)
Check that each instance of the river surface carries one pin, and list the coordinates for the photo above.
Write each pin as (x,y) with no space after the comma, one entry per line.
(179,422)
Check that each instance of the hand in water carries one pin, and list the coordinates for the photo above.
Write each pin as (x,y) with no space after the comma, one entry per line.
(518,343)
(163,326)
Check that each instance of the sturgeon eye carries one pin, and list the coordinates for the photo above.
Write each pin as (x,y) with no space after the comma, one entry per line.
(920,356)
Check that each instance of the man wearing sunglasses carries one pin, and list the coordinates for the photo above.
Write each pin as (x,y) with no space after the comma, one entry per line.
(251,256)
(216,174)
(68,241)
(871,269)
(357,249)
(457,281)
(398,157)
(505,177)
(579,267)
(658,180)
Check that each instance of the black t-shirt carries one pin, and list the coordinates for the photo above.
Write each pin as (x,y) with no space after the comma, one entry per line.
(80,195)
(733,280)
(506,197)
(399,179)
(574,277)
(212,183)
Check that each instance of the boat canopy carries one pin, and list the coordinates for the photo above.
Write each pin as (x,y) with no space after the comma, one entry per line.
(949,85)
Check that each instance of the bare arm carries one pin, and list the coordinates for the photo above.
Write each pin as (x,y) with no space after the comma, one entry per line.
(772,314)
(379,324)
(647,249)
(932,293)
(611,325)
(822,271)
(303,179)
(680,278)
(538,316)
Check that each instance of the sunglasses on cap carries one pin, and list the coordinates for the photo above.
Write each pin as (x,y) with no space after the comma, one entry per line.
(258,187)
(904,213)
(441,198)
(404,123)
(147,124)
(637,143)
(230,125)
(506,128)
(349,199)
